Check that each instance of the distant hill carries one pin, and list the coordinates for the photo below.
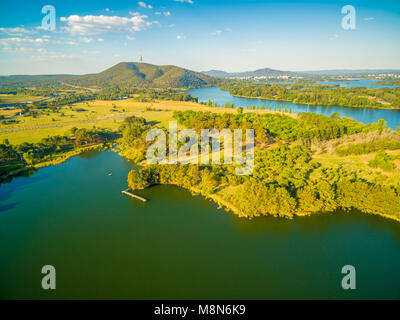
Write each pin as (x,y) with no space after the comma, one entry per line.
(143,75)
(216,73)
(33,80)
(266,72)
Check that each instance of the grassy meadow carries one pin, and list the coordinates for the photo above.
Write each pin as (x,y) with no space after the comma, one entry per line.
(18,98)
(111,114)
(102,114)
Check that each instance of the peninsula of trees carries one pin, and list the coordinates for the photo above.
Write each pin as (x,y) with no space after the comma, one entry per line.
(290,177)
(325,95)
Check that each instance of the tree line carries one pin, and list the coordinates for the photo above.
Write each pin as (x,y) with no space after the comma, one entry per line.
(312,94)
(32,153)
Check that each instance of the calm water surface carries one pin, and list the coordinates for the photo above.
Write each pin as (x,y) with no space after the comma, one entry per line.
(105,245)
(345,84)
(359,83)
(364,115)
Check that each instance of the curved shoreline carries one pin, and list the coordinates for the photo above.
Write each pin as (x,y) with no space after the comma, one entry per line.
(59,160)
(229,207)
(216,198)
(309,104)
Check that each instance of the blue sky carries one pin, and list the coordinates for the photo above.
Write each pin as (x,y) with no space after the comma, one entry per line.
(235,35)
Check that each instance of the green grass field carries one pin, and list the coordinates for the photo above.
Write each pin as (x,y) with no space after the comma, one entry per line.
(17,98)
(102,114)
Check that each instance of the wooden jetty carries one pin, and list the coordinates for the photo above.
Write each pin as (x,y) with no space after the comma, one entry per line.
(129,193)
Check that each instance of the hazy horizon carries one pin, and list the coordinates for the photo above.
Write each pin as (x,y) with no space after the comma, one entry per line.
(207,70)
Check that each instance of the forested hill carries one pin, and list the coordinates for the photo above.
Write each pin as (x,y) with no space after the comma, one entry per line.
(143,75)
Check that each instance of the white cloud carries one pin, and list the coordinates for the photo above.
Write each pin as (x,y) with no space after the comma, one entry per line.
(100,40)
(16,30)
(86,40)
(334,37)
(216,32)
(250,50)
(92,25)
(180,37)
(38,44)
(142,4)
(91,52)
(23,49)
(22,41)
(369,19)
(70,42)
(187,1)
(219,32)
(130,38)
(53,56)
(165,13)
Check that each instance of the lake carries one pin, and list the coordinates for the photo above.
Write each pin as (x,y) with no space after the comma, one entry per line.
(177,246)
(363,115)
(344,83)
(370,84)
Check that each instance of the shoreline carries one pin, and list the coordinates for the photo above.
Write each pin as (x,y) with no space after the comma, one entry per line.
(230,208)
(308,104)
(68,155)
(59,160)
(216,198)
